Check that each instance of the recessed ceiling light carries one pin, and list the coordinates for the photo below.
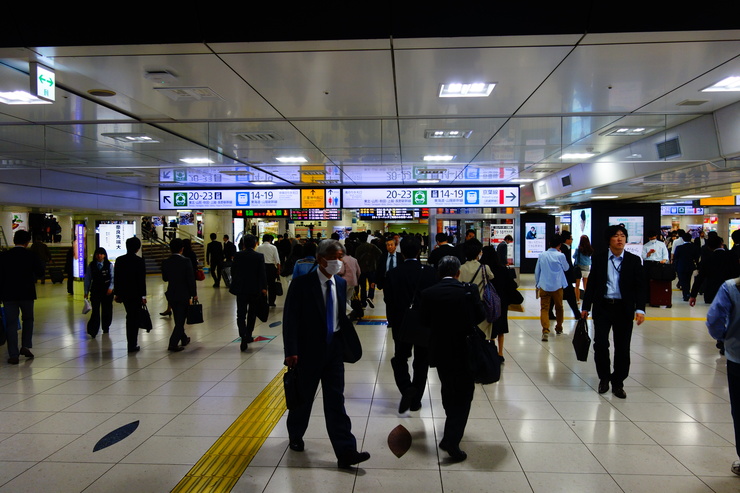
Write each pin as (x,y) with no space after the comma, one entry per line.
(466,90)
(262,182)
(292,159)
(21,97)
(729,84)
(196,160)
(577,155)
(604,197)
(628,130)
(131,138)
(522,180)
(427,180)
(447,134)
(696,196)
(439,158)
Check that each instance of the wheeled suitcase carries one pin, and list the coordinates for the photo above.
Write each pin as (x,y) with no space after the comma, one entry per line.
(660,293)
(56,276)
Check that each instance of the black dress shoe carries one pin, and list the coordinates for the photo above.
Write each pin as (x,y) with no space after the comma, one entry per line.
(175,349)
(105,331)
(349,459)
(134,349)
(409,396)
(185,342)
(619,393)
(415,406)
(244,345)
(296,445)
(26,352)
(456,454)
(603,386)
(13,361)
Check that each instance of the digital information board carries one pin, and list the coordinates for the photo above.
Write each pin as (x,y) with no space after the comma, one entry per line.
(357,198)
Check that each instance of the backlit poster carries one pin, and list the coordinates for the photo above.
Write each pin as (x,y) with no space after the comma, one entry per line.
(635,226)
(535,241)
(580,224)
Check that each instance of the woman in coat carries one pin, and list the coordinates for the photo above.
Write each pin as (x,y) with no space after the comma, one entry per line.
(99,290)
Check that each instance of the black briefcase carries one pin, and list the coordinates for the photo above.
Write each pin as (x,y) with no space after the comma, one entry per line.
(145,320)
(581,340)
(292,388)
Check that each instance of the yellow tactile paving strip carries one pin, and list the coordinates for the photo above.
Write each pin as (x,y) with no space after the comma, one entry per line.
(223,464)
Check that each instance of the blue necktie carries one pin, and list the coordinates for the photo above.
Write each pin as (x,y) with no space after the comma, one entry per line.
(329,313)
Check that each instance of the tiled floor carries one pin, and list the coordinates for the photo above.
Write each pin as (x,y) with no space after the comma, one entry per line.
(543,427)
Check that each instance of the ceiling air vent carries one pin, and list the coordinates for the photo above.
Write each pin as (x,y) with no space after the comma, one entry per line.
(669,149)
(565,181)
(259,136)
(189,93)
(692,102)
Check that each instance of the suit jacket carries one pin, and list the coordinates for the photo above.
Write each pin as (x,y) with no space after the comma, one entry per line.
(716,268)
(632,282)
(130,280)
(569,275)
(19,269)
(178,272)
(304,318)
(248,273)
(450,309)
(229,250)
(441,251)
(381,272)
(401,284)
(214,252)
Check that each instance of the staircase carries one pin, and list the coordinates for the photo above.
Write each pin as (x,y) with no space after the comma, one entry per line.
(154,253)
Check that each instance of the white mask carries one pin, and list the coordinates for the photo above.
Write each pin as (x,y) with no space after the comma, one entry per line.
(333,267)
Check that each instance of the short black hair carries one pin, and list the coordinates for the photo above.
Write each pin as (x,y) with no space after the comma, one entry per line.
(410,247)
(565,235)
(133,244)
(21,237)
(440,237)
(214,236)
(555,241)
(176,245)
(472,248)
(249,241)
(613,230)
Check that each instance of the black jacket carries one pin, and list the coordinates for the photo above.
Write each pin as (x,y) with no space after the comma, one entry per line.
(632,282)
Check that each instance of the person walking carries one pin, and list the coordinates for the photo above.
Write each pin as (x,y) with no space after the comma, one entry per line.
(549,278)
(177,271)
(215,258)
(130,289)
(99,282)
(249,285)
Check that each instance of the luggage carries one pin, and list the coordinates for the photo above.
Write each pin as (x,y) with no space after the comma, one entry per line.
(56,276)
(660,293)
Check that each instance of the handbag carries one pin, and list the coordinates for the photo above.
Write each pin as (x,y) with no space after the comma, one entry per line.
(484,361)
(200,275)
(195,313)
(489,297)
(86,306)
(291,387)
(581,340)
(351,341)
(262,309)
(145,321)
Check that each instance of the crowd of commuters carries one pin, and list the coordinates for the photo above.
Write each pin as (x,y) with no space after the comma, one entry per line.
(430,307)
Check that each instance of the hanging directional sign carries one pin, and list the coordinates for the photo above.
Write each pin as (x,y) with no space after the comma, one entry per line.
(355,198)
(43,81)
(229,199)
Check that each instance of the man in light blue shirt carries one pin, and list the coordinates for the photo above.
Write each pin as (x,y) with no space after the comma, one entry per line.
(549,277)
(723,322)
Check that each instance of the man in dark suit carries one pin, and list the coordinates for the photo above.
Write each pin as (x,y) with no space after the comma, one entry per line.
(229,252)
(215,258)
(443,249)
(315,325)
(249,284)
(403,286)
(389,260)
(714,269)
(616,290)
(19,268)
(177,270)
(129,285)
(451,309)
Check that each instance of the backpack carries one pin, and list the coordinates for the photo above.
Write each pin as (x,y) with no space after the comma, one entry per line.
(489,297)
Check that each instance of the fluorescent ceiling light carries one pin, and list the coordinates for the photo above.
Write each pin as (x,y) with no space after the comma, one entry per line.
(729,84)
(466,90)
(196,160)
(131,138)
(522,180)
(439,158)
(604,197)
(696,196)
(447,134)
(427,180)
(577,155)
(21,97)
(262,182)
(628,130)
(292,159)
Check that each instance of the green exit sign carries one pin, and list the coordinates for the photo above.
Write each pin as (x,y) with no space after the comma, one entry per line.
(43,81)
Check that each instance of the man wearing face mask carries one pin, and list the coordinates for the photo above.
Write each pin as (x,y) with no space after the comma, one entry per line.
(314,327)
